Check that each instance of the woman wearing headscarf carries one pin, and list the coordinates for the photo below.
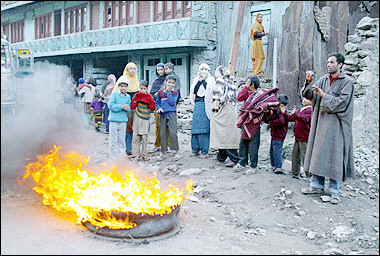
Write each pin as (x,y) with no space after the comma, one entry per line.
(158,84)
(201,97)
(130,73)
(224,135)
(257,51)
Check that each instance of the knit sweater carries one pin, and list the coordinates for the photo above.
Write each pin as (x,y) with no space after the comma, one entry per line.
(115,104)
(144,104)
(167,101)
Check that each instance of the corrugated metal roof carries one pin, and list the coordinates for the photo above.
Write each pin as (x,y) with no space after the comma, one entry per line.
(15,4)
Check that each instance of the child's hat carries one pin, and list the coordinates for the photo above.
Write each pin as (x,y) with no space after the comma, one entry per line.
(123,80)
(81,80)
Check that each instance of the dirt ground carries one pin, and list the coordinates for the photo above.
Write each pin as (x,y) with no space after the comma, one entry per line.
(230,212)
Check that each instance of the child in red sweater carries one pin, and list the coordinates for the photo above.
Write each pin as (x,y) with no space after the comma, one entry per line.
(302,122)
(144,104)
(279,129)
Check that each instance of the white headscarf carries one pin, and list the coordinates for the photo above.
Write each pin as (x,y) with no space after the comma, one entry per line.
(204,92)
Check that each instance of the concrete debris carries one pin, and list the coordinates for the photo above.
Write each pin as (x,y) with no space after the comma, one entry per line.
(342,231)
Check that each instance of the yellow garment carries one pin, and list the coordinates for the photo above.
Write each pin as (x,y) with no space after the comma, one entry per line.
(257,66)
(134,84)
(257,51)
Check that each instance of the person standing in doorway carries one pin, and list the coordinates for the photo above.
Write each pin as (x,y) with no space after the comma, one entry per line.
(257,50)
(329,152)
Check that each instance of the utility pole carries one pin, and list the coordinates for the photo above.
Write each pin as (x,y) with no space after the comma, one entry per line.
(235,42)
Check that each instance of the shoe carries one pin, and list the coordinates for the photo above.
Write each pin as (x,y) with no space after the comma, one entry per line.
(106,132)
(250,170)
(177,157)
(238,167)
(129,153)
(334,199)
(204,156)
(278,171)
(311,190)
(194,154)
(296,176)
(231,164)
(271,169)
(161,157)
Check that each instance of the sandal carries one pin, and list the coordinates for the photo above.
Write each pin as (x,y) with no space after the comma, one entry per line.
(177,157)
(311,190)
(161,157)
(194,154)
(204,156)
(334,199)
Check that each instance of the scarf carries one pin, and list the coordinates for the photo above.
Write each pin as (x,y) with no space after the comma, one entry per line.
(133,85)
(256,27)
(159,82)
(225,91)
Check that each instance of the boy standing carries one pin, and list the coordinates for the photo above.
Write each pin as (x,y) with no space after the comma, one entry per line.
(249,147)
(302,121)
(119,105)
(166,107)
(144,104)
(279,129)
(169,70)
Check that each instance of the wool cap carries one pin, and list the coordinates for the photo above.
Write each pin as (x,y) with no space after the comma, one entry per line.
(81,80)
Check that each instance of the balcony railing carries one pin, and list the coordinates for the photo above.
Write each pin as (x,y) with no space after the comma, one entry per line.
(173,33)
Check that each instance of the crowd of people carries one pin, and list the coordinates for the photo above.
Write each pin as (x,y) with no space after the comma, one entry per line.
(228,118)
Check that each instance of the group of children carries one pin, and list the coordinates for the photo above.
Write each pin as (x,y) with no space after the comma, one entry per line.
(277,123)
(133,108)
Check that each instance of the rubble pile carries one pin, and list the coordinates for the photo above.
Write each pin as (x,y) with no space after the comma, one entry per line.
(362,64)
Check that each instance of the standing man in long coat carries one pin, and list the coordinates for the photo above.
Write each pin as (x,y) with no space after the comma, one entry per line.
(329,151)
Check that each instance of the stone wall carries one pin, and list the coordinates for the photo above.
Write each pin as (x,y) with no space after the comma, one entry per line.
(317,30)
(205,10)
(362,64)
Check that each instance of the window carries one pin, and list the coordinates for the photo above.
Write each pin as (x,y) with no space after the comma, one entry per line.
(42,23)
(6,29)
(118,13)
(165,10)
(17,31)
(57,23)
(187,11)
(75,19)
(176,61)
(153,62)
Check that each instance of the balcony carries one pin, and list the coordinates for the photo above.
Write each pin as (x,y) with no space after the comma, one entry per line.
(184,32)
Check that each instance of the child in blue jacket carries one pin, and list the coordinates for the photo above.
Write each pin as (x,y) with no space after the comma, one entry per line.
(166,102)
(119,104)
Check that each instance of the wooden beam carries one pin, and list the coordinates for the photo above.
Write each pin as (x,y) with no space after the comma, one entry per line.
(236,39)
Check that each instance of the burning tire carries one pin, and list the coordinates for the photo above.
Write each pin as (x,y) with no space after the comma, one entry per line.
(147,225)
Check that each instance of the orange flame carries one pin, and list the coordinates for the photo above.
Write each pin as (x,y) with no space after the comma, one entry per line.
(66,186)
